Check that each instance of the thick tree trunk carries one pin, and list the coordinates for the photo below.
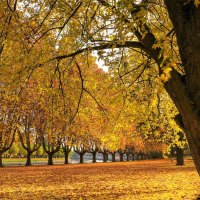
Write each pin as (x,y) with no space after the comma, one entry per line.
(50,159)
(179,156)
(189,118)
(1,160)
(94,157)
(81,157)
(28,159)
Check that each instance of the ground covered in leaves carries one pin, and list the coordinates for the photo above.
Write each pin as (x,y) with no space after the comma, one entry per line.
(138,180)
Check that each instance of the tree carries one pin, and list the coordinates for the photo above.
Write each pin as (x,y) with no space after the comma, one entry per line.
(8,125)
(31,120)
(28,135)
(94,148)
(179,149)
(53,132)
(81,149)
(66,146)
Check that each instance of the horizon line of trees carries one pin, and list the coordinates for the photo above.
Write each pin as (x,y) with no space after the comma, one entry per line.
(123,156)
(64,149)
(79,148)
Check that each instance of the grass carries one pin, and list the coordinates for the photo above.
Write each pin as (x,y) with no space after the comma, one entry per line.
(138,180)
(23,160)
(10,160)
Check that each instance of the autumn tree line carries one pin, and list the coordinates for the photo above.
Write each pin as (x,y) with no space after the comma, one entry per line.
(41,115)
(53,93)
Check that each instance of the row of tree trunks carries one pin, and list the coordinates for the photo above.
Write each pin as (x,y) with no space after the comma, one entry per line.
(179,157)
(66,150)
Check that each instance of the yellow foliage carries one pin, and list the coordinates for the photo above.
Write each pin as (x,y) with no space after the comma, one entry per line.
(164,77)
(197,2)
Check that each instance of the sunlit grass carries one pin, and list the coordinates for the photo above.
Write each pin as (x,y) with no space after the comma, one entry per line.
(137,180)
(17,160)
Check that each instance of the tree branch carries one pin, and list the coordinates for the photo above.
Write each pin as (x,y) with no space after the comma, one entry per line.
(111,45)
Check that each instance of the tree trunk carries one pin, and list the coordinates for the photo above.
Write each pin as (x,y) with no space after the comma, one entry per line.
(133,157)
(66,154)
(50,159)
(94,157)
(28,159)
(179,156)
(121,157)
(189,118)
(1,160)
(127,156)
(105,157)
(81,157)
(113,157)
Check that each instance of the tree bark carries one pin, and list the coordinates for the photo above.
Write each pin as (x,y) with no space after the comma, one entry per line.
(28,159)
(133,157)
(1,160)
(113,157)
(142,156)
(66,154)
(121,157)
(137,156)
(105,157)
(127,157)
(81,157)
(50,159)
(189,117)
(179,156)
(94,157)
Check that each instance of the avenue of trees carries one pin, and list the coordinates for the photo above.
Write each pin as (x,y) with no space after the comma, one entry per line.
(53,94)
(43,117)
